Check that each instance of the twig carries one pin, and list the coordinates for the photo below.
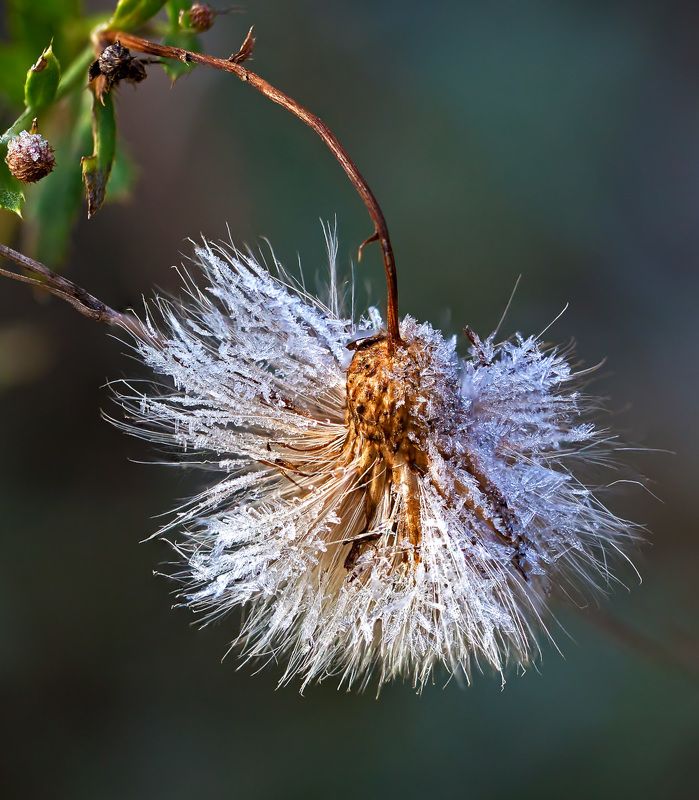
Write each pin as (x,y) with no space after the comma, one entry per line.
(315,123)
(87,304)
(649,647)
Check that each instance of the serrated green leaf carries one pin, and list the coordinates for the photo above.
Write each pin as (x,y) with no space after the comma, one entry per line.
(42,81)
(187,41)
(130,14)
(97,167)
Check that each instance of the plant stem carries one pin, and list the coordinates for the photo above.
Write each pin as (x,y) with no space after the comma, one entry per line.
(88,305)
(315,123)
(76,72)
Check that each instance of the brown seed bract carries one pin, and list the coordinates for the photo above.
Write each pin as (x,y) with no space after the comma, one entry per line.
(386,429)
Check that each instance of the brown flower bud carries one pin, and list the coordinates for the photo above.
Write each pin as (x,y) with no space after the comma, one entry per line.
(201,17)
(113,60)
(116,63)
(30,157)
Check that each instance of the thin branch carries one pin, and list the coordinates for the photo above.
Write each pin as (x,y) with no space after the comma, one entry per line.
(87,304)
(315,123)
(645,644)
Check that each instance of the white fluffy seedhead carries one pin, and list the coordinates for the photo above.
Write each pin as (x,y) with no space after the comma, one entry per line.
(375,512)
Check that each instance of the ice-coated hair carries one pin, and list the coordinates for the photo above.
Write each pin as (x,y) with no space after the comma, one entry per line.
(257,369)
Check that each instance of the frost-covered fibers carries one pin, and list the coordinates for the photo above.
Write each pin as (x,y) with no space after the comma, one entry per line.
(378,511)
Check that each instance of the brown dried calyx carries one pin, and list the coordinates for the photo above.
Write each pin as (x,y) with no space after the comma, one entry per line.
(115,64)
(385,416)
(30,157)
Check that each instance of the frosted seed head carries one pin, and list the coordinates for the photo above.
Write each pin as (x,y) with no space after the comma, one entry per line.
(391,513)
(30,157)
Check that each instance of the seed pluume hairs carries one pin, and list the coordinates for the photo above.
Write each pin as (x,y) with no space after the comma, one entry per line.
(375,512)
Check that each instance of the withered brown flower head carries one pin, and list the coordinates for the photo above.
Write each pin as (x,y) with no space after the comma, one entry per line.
(116,64)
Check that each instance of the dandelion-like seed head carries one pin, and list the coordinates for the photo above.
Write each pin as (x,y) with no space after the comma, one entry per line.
(382,508)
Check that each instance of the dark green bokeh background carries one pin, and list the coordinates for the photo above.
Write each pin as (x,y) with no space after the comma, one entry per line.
(559,140)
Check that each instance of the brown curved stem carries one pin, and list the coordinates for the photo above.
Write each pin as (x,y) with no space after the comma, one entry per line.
(315,123)
(37,274)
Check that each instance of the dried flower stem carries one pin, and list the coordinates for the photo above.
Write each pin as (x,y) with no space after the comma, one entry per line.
(87,304)
(315,123)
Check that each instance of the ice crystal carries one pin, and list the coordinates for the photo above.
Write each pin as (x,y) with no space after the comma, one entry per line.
(376,511)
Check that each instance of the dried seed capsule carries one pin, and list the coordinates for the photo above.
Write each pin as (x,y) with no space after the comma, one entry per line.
(114,61)
(201,17)
(117,64)
(30,157)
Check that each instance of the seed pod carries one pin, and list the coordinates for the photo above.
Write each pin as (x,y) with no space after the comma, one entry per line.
(114,61)
(30,157)
(115,64)
(200,17)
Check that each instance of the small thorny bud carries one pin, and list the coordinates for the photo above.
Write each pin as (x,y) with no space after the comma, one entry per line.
(116,64)
(30,157)
(200,17)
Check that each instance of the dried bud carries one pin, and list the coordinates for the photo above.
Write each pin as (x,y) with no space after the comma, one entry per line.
(200,17)
(116,64)
(30,157)
(114,60)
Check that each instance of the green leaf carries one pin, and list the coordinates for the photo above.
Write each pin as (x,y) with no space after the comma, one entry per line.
(35,22)
(75,74)
(122,177)
(13,68)
(97,167)
(55,204)
(11,190)
(187,41)
(130,14)
(177,36)
(11,194)
(42,82)
(173,11)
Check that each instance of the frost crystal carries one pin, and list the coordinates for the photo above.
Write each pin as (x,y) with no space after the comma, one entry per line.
(377,511)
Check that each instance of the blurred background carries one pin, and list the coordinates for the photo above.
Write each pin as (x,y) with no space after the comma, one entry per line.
(559,140)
